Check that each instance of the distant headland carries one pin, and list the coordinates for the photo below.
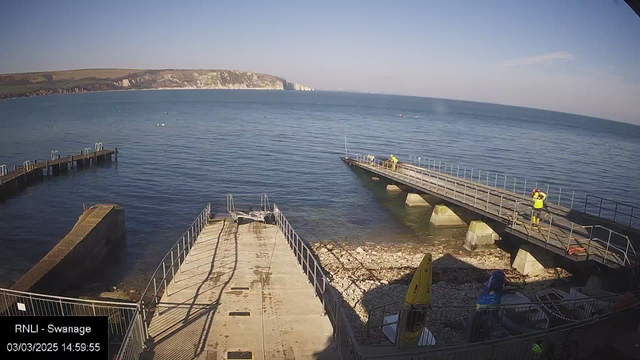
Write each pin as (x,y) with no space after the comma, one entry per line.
(88,80)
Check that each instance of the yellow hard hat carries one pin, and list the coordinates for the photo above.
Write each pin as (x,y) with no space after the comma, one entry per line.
(391,155)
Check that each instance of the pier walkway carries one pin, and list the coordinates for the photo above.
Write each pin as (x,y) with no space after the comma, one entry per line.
(239,294)
(556,233)
(22,175)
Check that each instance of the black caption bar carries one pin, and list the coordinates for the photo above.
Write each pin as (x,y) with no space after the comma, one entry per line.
(54,337)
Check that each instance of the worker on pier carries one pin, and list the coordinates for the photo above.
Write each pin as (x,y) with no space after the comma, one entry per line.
(371,158)
(394,162)
(538,204)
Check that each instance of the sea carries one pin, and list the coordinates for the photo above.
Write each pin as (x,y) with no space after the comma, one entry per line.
(179,150)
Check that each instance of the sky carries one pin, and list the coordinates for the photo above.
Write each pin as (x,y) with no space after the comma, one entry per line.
(577,56)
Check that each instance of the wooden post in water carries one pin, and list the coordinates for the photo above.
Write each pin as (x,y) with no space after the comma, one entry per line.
(116,153)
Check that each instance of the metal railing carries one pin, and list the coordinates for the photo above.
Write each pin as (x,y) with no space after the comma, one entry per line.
(615,211)
(554,231)
(573,340)
(231,207)
(332,302)
(455,325)
(167,268)
(496,180)
(122,316)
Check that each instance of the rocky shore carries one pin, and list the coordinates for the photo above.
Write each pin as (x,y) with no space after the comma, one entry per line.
(371,275)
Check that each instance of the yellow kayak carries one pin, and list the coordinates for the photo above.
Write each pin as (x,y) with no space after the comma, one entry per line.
(415,305)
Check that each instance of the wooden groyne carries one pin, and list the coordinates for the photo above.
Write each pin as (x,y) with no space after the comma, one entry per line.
(13,181)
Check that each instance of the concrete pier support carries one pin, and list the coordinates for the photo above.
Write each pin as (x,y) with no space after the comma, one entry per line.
(479,234)
(414,199)
(443,216)
(531,260)
(393,188)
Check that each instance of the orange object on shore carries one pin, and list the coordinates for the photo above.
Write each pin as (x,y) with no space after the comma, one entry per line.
(576,250)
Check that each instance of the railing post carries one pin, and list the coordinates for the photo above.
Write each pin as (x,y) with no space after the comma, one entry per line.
(324,284)
(524,188)
(547,189)
(465,173)
(487,178)
(179,258)
(505,182)
(608,242)
(495,183)
(559,194)
(500,210)
(458,171)
(588,244)
(173,274)
(164,276)
(486,208)
(464,198)
(600,209)
(515,214)
(515,179)
(615,212)
(626,251)
(572,195)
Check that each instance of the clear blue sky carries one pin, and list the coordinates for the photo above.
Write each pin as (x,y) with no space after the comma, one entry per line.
(574,56)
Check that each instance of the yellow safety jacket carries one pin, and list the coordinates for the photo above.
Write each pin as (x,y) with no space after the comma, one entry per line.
(394,159)
(538,200)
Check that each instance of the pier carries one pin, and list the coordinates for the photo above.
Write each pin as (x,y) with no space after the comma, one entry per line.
(12,181)
(512,211)
(235,290)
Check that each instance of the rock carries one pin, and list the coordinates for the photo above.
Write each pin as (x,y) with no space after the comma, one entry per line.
(359,250)
(384,282)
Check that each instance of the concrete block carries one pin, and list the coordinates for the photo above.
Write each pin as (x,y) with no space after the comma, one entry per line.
(528,261)
(393,188)
(479,234)
(595,282)
(414,199)
(443,216)
(375,178)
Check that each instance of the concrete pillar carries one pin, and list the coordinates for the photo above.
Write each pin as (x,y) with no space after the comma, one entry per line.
(393,188)
(414,199)
(443,216)
(595,282)
(479,234)
(529,260)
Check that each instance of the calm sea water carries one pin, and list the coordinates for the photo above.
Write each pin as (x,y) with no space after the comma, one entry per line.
(286,144)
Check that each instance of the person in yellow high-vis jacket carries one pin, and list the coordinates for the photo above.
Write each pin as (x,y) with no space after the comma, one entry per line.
(371,159)
(538,204)
(394,161)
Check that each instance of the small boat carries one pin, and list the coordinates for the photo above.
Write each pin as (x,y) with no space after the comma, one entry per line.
(561,309)
(426,338)
(601,301)
(400,115)
(519,315)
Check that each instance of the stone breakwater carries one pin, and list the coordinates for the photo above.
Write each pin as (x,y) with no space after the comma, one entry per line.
(370,275)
